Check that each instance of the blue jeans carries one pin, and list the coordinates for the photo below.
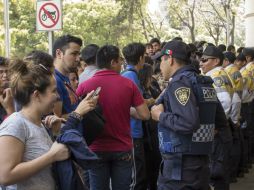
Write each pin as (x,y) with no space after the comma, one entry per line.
(116,166)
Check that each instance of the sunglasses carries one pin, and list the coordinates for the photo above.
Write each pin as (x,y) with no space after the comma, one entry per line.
(203,60)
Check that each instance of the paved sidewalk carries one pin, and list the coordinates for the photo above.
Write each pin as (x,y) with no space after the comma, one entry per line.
(245,183)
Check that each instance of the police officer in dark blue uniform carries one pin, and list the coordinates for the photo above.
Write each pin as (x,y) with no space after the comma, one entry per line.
(186,113)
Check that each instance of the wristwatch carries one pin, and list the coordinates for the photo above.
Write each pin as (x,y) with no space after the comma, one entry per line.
(76,115)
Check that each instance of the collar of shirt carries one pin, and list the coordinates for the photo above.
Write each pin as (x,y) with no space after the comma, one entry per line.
(61,76)
(248,64)
(106,72)
(130,67)
(209,73)
(230,65)
(91,68)
(244,67)
(184,68)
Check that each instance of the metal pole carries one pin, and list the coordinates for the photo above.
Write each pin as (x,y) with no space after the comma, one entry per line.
(6,28)
(51,38)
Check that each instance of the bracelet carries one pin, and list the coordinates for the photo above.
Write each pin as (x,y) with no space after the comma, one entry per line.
(76,115)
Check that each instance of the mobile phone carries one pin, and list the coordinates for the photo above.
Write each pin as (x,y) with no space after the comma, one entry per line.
(96,92)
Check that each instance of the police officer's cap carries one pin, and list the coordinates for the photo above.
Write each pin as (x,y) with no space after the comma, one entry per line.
(229,56)
(176,49)
(248,52)
(213,51)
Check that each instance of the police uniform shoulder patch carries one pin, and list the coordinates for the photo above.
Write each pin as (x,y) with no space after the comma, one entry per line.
(182,95)
(218,81)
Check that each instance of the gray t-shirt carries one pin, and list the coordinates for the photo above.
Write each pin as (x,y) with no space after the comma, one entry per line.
(89,72)
(37,142)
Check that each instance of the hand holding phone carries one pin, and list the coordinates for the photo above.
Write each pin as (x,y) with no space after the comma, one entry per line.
(88,103)
(96,92)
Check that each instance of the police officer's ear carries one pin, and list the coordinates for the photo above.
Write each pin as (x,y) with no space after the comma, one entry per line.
(171,61)
(218,62)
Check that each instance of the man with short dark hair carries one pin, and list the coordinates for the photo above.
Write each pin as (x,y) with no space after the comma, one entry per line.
(222,47)
(114,144)
(231,48)
(134,55)
(88,55)
(156,45)
(66,51)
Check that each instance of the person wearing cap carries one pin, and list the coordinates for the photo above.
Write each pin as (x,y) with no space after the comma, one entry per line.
(249,54)
(211,65)
(88,55)
(186,112)
(246,114)
(244,60)
(248,85)
(237,82)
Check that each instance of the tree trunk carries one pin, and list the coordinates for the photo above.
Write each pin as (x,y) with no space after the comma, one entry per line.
(232,32)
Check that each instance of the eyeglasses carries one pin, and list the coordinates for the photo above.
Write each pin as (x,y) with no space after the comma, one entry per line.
(203,60)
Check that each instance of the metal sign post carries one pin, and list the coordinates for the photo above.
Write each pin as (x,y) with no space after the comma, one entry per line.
(6,28)
(49,18)
(51,39)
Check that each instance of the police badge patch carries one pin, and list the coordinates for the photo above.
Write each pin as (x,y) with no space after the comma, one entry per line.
(218,82)
(182,95)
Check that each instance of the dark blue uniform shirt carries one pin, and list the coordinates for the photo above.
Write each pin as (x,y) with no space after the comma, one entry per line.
(181,111)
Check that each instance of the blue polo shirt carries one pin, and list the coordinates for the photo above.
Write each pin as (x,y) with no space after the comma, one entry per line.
(136,124)
(64,93)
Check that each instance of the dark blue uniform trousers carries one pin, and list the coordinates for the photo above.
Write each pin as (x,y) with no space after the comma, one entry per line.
(194,173)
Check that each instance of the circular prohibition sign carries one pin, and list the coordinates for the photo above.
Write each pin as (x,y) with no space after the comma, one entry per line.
(47,14)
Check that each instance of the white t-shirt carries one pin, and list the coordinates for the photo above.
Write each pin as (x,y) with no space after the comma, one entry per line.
(37,142)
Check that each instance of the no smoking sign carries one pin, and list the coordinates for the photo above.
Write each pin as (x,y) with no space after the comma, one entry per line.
(49,15)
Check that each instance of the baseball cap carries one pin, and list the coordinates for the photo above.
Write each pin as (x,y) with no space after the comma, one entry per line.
(213,51)
(176,49)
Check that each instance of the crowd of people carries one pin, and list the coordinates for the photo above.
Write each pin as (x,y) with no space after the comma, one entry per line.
(166,116)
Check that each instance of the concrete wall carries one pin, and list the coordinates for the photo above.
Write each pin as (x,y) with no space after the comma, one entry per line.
(249,23)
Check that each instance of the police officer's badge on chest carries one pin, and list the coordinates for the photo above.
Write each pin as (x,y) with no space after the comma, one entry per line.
(182,95)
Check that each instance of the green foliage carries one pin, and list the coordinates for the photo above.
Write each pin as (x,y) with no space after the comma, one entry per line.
(24,37)
(119,22)
(95,21)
